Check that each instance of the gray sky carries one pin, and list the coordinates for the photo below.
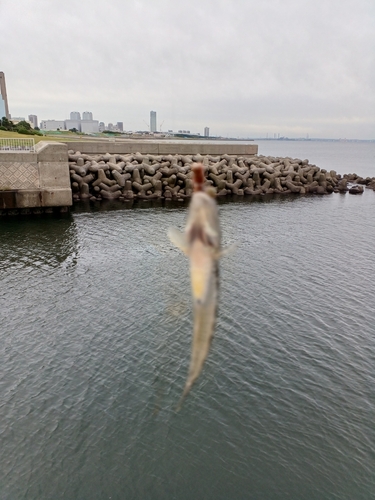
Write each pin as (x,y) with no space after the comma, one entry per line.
(242,68)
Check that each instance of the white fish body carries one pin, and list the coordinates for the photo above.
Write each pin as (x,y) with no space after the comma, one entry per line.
(201,242)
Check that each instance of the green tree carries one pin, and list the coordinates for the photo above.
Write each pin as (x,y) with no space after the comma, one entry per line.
(23,125)
(9,125)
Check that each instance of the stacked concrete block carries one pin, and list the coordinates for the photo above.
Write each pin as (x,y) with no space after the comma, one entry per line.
(148,176)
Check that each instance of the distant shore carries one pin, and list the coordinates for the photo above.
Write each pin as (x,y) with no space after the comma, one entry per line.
(63,136)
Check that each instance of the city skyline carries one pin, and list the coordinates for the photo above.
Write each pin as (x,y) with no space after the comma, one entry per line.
(247,69)
(75,120)
(87,124)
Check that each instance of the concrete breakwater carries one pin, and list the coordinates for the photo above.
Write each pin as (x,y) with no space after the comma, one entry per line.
(54,174)
(146,176)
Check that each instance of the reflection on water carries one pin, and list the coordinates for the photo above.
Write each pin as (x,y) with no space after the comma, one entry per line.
(111,205)
(38,242)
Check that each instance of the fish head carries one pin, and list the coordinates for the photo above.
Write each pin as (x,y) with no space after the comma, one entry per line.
(203,220)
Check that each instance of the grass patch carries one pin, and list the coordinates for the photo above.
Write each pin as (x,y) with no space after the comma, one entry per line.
(67,136)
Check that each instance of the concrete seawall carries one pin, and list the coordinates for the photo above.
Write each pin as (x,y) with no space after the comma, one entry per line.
(35,180)
(162,148)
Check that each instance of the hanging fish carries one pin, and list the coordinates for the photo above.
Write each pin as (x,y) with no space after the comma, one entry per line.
(201,242)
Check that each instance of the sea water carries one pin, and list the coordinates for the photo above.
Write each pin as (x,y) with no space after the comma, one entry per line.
(96,327)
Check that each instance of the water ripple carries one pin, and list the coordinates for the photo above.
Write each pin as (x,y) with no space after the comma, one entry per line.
(95,347)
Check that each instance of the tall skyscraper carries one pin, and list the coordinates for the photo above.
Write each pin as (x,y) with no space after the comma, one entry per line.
(87,115)
(75,115)
(206,132)
(34,120)
(153,121)
(4,110)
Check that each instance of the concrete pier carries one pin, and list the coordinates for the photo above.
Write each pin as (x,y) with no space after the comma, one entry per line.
(37,179)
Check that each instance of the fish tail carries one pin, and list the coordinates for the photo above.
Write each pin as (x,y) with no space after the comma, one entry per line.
(187,388)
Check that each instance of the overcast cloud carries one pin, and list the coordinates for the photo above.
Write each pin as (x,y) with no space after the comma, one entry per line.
(243,68)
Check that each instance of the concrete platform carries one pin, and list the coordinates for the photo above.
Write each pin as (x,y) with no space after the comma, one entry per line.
(38,179)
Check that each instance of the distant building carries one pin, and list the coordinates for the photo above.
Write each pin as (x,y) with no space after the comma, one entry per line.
(52,125)
(89,126)
(4,109)
(101,126)
(153,121)
(69,124)
(206,132)
(34,120)
(120,126)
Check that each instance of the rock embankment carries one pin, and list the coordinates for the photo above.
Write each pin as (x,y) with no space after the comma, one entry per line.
(145,176)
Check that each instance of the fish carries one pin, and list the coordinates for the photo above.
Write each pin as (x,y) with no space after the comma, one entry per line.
(201,243)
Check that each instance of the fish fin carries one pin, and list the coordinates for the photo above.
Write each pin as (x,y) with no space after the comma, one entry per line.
(178,239)
(227,251)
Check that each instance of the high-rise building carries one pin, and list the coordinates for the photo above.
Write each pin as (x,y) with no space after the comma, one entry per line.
(120,126)
(4,109)
(34,120)
(87,125)
(206,132)
(153,121)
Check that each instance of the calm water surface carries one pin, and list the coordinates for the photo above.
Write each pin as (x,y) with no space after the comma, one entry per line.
(96,326)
